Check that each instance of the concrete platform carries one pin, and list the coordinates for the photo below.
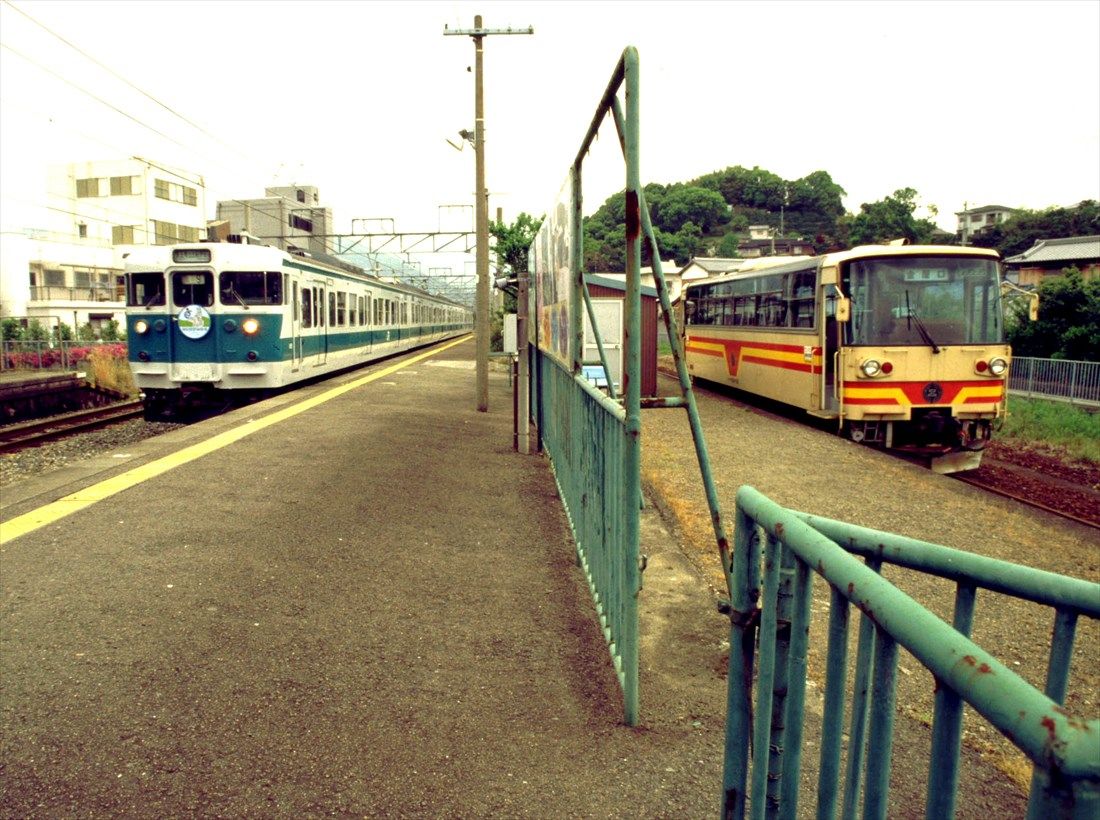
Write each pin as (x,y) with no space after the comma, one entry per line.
(359,603)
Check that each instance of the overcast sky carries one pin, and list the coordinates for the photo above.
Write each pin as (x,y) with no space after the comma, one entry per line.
(981,102)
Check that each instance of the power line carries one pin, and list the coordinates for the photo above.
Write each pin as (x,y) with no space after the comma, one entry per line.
(100,100)
(114,73)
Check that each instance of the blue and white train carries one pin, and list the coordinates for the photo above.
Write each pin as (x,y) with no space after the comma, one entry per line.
(210,322)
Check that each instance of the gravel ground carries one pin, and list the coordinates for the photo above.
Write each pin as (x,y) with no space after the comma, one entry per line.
(808,469)
(64,452)
(804,468)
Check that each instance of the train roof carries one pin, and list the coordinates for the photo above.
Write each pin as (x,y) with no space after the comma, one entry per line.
(152,258)
(837,257)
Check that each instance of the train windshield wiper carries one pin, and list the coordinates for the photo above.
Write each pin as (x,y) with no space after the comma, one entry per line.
(154,298)
(911,314)
(232,292)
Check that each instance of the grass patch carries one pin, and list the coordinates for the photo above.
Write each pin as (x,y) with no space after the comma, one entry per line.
(1053,424)
(108,368)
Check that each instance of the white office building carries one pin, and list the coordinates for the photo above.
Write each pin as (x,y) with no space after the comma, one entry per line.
(68,269)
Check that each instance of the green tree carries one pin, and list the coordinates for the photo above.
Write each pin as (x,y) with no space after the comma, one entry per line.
(111,331)
(36,332)
(704,208)
(1069,320)
(727,248)
(62,333)
(513,242)
(12,330)
(86,332)
(888,219)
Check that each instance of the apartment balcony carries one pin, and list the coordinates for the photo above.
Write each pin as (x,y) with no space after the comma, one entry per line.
(52,293)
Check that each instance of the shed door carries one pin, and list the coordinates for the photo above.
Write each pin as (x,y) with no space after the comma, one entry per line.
(609,318)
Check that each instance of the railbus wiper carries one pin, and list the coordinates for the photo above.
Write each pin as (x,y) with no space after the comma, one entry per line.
(921,329)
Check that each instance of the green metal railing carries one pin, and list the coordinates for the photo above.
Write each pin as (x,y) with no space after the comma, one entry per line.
(586,442)
(564,406)
(1064,748)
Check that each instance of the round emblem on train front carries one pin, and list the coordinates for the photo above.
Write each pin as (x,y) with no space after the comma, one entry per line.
(194,321)
(933,392)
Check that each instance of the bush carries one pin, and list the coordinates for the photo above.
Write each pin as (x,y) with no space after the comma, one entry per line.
(108,368)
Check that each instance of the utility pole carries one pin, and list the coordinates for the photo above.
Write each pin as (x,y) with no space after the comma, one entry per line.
(481,203)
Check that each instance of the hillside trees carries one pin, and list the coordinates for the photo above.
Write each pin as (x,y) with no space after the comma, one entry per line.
(1020,231)
(890,218)
(712,210)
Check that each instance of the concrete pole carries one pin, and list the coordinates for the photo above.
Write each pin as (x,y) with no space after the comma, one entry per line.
(482,227)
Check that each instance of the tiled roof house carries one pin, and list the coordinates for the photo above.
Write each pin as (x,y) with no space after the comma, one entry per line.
(1049,257)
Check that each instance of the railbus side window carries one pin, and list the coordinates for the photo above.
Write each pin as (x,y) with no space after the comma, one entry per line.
(341,317)
(364,310)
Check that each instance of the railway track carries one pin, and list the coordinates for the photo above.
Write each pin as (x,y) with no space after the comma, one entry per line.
(31,434)
(1002,479)
(982,482)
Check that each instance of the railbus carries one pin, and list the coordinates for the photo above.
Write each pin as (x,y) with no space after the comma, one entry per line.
(903,345)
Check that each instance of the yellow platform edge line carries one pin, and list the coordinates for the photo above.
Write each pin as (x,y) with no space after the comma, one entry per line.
(81,499)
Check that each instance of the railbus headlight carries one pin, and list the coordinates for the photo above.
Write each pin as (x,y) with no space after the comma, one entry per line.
(250,325)
(871,368)
(998,366)
(141,326)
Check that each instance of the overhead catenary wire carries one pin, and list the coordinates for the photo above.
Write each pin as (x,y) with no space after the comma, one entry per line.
(191,149)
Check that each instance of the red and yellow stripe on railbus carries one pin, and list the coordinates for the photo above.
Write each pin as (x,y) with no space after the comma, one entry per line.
(806,359)
(906,394)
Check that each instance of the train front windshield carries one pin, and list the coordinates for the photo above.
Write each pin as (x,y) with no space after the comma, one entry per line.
(927,300)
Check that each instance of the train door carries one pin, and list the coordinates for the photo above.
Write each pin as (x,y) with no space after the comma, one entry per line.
(609,319)
(193,348)
(366,318)
(314,340)
(295,327)
(323,292)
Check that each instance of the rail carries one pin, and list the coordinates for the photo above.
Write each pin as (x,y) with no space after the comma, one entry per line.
(1064,748)
(1069,380)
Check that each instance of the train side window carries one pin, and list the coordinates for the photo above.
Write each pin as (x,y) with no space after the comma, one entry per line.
(341,316)
(307,307)
(364,309)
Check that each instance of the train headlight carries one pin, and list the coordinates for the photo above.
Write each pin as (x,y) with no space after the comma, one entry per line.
(871,368)
(141,326)
(250,325)
(998,366)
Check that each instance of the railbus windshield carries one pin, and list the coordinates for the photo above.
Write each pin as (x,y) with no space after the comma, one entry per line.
(923,300)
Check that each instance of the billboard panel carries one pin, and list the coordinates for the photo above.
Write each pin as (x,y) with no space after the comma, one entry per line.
(552,278)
